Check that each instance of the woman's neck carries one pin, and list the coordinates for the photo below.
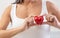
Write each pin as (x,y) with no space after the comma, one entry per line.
(36,3)
(33,2)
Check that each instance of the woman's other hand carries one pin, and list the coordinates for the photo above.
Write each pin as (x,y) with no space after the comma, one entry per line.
(52,20)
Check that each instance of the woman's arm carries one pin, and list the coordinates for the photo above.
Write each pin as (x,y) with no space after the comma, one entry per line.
(52,9)
(4,21)
(5,18)
(11,32)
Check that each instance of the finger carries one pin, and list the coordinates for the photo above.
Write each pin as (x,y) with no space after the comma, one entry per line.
(50,23)
(52,18)
(47,18)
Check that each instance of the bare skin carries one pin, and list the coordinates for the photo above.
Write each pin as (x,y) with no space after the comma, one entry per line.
(54,13)
(52,20)
(27,9)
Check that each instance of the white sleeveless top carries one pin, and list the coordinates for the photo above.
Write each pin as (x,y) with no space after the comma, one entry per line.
(41,31)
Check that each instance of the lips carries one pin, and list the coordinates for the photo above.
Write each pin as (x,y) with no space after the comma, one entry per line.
(38,19)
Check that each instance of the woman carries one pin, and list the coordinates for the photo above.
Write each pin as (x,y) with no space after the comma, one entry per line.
(21,9)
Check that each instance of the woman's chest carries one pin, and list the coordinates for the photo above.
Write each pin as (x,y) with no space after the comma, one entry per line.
(26,11)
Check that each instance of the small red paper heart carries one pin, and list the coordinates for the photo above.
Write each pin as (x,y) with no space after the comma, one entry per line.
(38,19)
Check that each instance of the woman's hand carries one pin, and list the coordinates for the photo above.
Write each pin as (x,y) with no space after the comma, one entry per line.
(29,22)
(52,20)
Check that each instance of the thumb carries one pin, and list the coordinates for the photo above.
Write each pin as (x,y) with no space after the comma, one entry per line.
(50,23)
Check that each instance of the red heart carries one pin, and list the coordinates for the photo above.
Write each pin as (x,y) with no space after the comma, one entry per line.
(38,19)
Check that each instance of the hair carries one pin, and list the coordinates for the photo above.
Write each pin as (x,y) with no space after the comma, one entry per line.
(18,2)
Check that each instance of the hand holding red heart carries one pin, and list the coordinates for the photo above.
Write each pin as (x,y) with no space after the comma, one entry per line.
(52,20)
(30,20)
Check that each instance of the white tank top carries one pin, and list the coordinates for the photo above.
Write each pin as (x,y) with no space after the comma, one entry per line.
(41,31)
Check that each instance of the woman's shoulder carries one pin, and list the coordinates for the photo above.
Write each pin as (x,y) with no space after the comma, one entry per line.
(8,7)
(7,10)
(50,5)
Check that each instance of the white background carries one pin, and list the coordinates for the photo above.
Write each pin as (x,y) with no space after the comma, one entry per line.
(54,31)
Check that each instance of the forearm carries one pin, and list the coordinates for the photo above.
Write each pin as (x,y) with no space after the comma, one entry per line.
(11,32)
(58,25)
